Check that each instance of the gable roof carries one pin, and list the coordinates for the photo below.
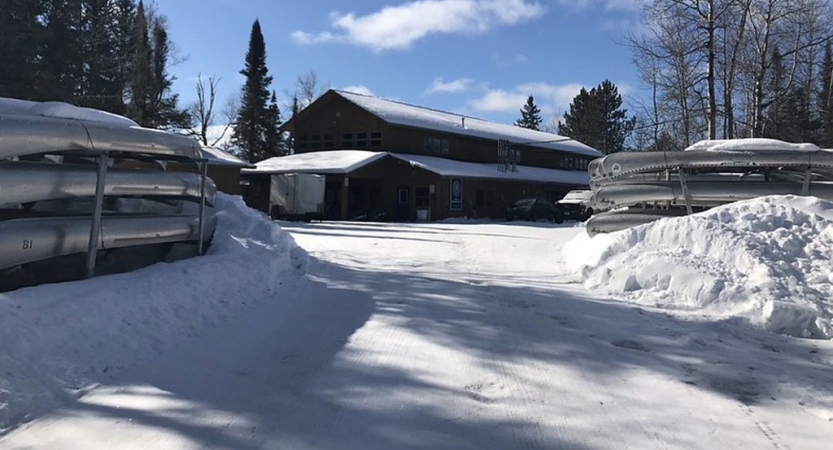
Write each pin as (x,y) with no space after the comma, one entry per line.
(329,162)
(219,157)
(404,114)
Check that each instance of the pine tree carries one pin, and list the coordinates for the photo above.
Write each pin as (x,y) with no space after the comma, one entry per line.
(152,104)
(18,47)
(254,123)
(274,138)
(59,63)
(530,116)
(139,106)
(101,87)
(597,119)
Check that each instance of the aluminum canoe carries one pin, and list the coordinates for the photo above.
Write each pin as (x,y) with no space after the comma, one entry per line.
(702,193)
(612,221)
(621,165)
(35,239)
(28,134)
(26,182)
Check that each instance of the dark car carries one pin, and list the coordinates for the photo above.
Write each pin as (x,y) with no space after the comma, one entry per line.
(531,209)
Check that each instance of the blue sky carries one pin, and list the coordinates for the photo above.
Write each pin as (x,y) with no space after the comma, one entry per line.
(477,57)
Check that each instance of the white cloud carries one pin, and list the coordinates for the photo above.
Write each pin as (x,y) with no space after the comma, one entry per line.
(359,89)
(607,5)
(550,98)
(302,37)
(449,87)
(397,27)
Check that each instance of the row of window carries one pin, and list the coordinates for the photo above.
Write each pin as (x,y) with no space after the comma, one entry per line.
(436,145)
(570,163)
(348,140)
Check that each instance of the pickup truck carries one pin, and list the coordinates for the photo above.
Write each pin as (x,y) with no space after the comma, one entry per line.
(575,206)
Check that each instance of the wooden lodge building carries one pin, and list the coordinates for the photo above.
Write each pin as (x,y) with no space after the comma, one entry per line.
(415,163)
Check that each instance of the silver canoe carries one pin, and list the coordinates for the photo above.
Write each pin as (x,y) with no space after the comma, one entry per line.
(35,239)
(621,165)
(612,221)
(702,193)
(28,134)
(25,182)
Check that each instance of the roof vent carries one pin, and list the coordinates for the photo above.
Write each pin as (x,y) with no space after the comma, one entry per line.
(464,122)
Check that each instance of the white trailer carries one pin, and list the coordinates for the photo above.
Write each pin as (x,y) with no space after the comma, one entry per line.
(297,196)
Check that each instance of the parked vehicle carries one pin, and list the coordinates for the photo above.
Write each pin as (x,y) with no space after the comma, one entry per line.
(575,205)
(531,209)
(297,196)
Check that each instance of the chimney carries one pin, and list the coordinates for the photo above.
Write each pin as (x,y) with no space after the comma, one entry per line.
(464,122)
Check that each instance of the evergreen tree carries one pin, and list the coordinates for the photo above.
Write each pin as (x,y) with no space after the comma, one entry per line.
(59,63)
(274,138)
(152,104)
(18,47)
(255,124)
(530,116)
(597,119)
(101,87)
(139,106)
(773,127)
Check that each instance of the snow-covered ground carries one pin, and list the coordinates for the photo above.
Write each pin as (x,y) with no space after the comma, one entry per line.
(439,335)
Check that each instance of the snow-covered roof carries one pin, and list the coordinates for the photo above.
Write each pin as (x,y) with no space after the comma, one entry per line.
(416,116)
(749,145)
(218,157)
(346,161)
(451,168)
(62,111)
(332,162)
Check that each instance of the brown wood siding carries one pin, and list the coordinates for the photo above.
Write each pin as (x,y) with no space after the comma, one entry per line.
(226,178)
(338,116)
(335,119)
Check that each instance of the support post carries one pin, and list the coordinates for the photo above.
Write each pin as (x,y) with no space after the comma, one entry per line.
(203,167)
(686,193)
(95,228)
(805,187)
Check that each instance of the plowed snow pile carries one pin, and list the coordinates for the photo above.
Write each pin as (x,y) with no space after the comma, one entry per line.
(766,260)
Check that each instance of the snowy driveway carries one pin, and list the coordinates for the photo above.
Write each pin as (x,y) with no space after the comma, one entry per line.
(455,336)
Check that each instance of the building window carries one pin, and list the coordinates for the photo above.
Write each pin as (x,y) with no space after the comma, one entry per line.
(361,140)
(436,145)
(403,196)
(328,141)
(301,142)
(347,140)
(376,139)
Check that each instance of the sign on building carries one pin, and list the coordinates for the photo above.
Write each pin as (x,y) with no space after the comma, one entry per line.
(456,194)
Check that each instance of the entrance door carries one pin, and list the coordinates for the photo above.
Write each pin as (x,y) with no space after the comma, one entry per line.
(403,204)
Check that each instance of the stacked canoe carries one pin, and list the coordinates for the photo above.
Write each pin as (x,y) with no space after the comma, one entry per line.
(51,157)
(635,188)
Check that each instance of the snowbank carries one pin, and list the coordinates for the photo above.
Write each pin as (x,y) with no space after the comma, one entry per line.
(750,145)
(63,111)
(766,260)
(58,340)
